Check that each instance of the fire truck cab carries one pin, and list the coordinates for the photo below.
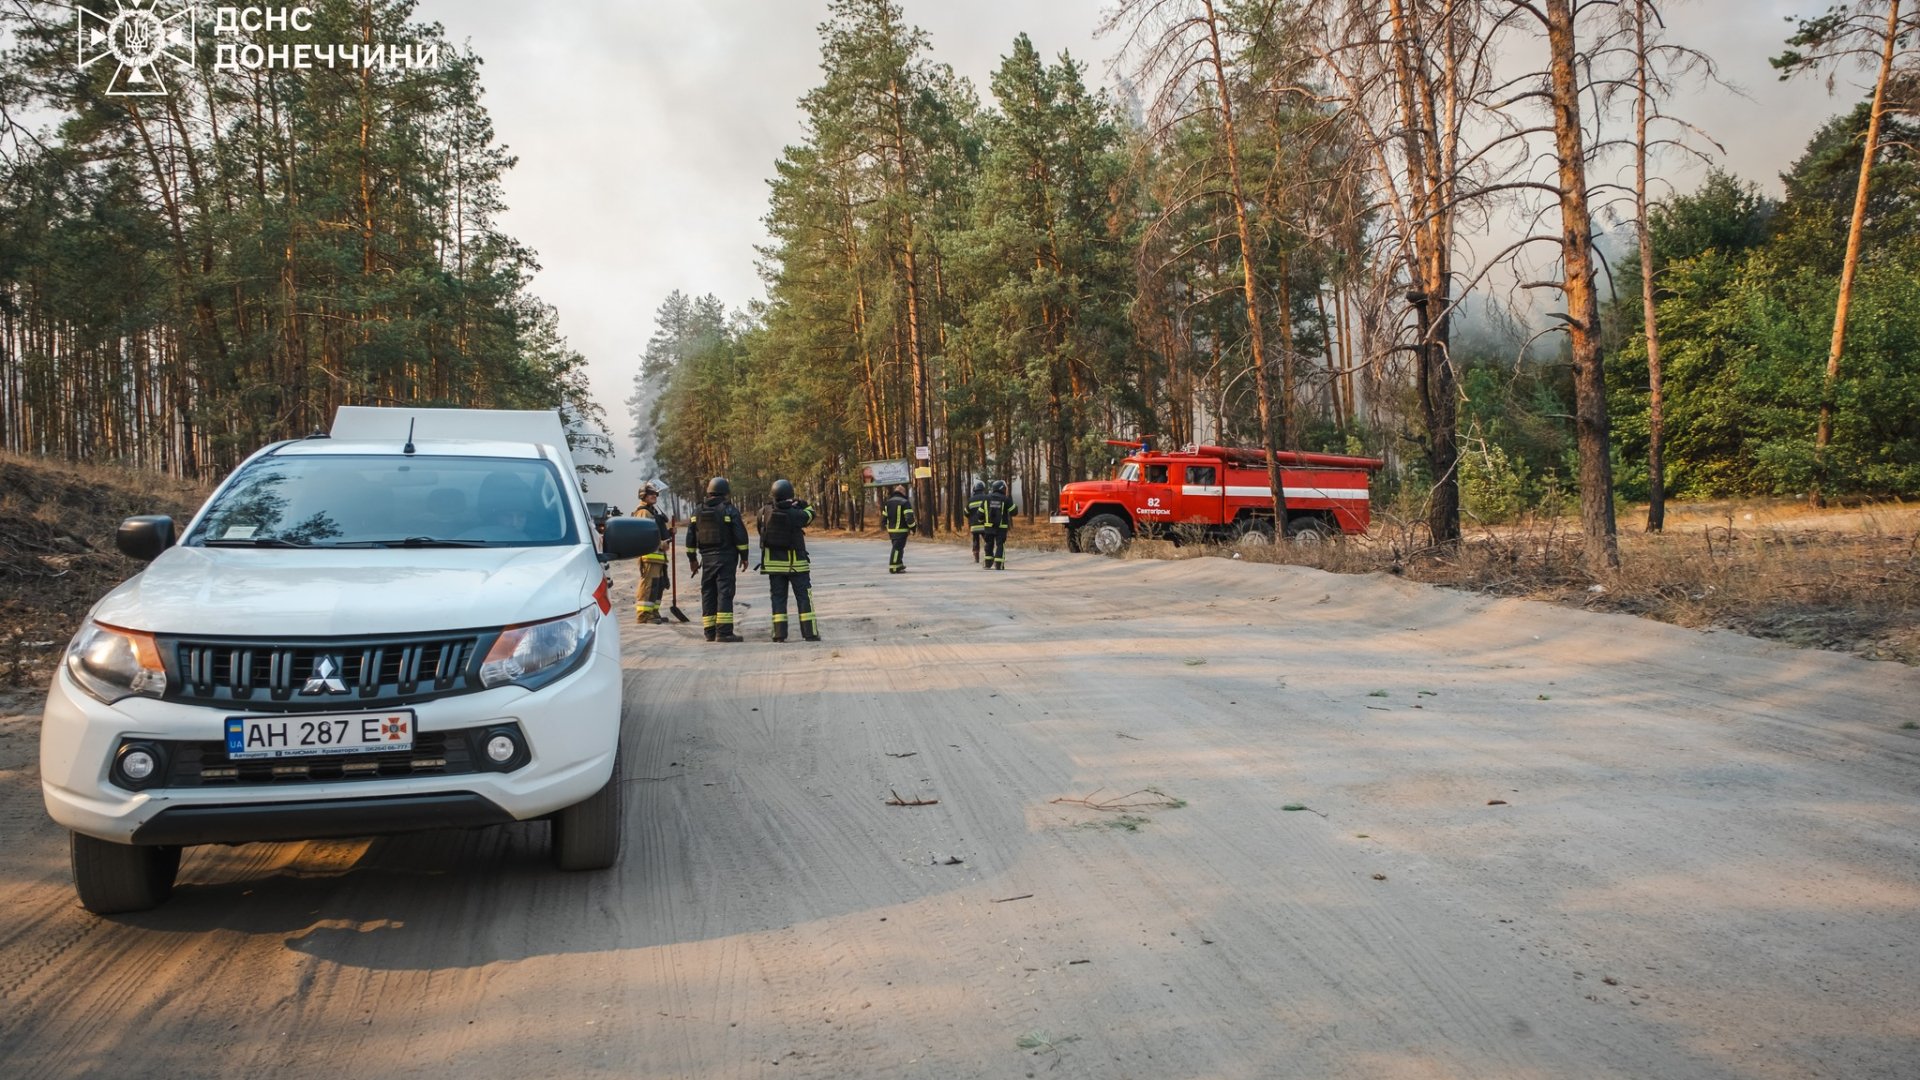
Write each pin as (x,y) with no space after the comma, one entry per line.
(1214,494)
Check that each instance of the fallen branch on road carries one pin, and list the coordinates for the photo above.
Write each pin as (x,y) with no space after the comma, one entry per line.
(1161,801)
(898,801)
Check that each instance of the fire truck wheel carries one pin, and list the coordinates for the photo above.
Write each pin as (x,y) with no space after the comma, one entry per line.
(1306,530)
(1106,534)
(1257,532)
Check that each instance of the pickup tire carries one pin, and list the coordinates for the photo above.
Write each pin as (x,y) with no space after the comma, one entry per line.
(586,835)
(113,878)
(1106,534)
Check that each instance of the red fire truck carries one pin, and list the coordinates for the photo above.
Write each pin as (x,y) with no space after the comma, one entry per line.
(1214,493)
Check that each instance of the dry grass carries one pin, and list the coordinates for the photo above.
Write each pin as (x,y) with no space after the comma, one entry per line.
(1847,580)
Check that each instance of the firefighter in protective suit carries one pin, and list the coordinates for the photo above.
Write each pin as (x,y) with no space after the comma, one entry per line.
(717,548)
(999,513)
(653,568)
(977,515)
(783,558)
(899,519)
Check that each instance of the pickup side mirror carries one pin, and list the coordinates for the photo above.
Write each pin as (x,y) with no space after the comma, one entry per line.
(630,538)
(144,537)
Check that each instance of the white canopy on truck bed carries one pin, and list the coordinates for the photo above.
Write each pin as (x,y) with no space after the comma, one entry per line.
(364,423)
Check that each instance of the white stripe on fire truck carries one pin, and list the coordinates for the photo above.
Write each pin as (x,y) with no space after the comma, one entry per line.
(1341,494)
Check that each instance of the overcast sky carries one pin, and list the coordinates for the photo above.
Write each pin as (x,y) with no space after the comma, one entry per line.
(646,131)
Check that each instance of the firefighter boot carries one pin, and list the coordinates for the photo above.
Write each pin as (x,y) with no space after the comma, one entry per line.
(780,630)
(809,631)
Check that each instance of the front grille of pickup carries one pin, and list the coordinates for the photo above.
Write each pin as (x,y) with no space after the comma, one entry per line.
(323,675)
(206,764)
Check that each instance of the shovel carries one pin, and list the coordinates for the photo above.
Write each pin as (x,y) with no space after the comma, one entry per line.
(673,578)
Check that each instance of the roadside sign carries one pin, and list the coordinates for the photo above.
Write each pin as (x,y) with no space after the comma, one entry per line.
(884,473)
(923,473)
(923,453)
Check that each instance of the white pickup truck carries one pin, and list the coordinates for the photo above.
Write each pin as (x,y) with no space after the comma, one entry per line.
(402,625)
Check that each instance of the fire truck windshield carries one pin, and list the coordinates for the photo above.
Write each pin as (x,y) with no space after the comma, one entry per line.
(1130,471)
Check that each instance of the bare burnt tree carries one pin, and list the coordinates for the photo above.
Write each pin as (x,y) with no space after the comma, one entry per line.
(1178,48)
(1579,285)
(1453,147)
(1411,79)
(1634,58)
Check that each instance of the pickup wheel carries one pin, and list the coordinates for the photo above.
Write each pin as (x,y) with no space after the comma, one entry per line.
(1106,534)
(586,835)
(113,878)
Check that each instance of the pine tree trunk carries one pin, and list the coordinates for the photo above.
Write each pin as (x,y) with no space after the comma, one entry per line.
(1249,279)
(1583,303)
(1855,229)
(1656,413)
(1430,269)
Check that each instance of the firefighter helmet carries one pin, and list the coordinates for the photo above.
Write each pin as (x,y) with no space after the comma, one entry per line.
(999,487)
(782,490)
(979,488)
(719,486)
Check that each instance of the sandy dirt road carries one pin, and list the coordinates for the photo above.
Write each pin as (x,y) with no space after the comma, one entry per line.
(1703,861)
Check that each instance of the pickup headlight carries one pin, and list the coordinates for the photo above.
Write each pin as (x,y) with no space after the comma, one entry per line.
(110,663)
(536,653)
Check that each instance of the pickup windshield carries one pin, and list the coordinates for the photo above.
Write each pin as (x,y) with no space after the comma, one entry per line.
(362,501)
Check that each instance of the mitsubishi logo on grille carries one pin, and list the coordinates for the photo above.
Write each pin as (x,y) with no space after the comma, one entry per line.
(326,678)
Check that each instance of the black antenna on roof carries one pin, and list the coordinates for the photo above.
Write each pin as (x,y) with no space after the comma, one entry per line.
(408,449)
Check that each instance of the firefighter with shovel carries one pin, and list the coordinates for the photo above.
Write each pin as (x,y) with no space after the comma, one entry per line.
(654,568)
